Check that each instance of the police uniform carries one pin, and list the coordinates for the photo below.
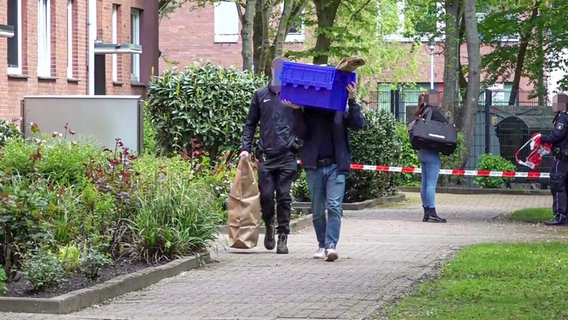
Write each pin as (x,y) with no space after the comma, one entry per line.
(558,138)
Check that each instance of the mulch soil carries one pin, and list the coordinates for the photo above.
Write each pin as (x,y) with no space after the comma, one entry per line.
(22,288)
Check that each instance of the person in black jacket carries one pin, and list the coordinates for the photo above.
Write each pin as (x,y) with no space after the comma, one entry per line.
(276,155)
(326,158)
(430,161)
(558,138)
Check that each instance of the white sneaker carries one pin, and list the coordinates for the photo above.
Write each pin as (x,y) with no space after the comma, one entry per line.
(331,254)
(320,254)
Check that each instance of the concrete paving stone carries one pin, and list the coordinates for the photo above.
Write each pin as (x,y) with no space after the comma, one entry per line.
(383,253)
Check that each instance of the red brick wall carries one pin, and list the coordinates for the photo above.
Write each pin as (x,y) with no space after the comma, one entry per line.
(15,87)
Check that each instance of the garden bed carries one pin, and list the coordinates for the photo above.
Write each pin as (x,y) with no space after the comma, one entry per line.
(22,288)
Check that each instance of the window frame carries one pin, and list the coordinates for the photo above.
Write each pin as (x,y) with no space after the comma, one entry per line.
(222,20)
(70,26)
(18,37)
(115,8)
(135,17)
(44,38)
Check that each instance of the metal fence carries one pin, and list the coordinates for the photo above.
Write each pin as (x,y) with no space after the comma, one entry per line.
(500,129)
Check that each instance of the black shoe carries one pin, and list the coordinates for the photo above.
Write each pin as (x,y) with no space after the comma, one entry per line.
(282,241)
(557,221)
(432,216)
(269,242)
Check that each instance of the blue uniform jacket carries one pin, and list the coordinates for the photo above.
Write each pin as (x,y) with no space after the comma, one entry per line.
(559,135)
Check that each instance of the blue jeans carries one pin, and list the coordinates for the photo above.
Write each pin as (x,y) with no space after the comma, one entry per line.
(327,189)
(430,165)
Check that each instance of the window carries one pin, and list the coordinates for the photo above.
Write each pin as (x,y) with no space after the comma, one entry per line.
(226,22)
(69,39)
(296,32)
(43,38)
(135,39)
(15,42)
(115,41)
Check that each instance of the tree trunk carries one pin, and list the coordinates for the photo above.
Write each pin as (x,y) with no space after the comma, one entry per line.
(524,43)
(325,11)
(473,77)
(247,22)
(452,63)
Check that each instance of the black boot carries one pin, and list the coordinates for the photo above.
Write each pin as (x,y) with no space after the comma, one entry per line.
(559,220)
(269,242)
(426,214)
(282,242)
(433,216)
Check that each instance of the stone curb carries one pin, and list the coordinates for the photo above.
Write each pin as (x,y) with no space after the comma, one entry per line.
(457,190)
(82,298)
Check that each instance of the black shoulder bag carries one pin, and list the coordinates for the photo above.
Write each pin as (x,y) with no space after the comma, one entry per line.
(426,133)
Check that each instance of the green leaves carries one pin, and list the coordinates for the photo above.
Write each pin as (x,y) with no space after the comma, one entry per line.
(206,103)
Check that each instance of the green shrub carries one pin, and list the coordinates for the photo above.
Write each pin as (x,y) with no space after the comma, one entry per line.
(43,270)
(56,159)
(8,131)
(70,256)
(493,163)
(205,105)
(175,217)
(300,191)
(3,280)
(92,262)
(374,145)
(408,157)
(149,132)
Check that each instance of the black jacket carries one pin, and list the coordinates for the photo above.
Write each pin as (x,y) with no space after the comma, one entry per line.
(342,121)
(436,114)
(276,122)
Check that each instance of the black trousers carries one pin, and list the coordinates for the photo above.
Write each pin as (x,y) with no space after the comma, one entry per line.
(276,180)
(558,181)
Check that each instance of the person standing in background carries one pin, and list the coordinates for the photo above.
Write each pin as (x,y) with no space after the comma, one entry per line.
(430,161)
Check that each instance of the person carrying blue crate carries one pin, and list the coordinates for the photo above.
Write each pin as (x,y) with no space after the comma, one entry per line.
(275,151)
(326,158)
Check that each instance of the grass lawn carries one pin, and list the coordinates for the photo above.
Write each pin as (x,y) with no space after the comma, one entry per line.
(532,215)
(496,281)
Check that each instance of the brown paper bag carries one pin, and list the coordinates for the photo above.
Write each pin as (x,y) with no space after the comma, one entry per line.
(350,63)
(244,207)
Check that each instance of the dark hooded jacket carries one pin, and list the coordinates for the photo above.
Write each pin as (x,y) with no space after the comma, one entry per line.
(342,121)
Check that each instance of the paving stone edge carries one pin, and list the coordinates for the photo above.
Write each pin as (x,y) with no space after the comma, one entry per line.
(459,190)
(83,298)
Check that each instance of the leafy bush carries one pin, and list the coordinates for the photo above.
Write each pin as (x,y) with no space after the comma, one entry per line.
(53,158)
(43,270)
(149,133)
(70,256)
(493,163)
(8,131)
(91,263)
(408,157)
(3,279)
(175,217)
(376,144)
(204,104)
(300,191)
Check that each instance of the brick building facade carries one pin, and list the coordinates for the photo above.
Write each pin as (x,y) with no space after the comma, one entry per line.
(54,44)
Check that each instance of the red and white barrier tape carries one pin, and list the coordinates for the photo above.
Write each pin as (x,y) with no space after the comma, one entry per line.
(455,172)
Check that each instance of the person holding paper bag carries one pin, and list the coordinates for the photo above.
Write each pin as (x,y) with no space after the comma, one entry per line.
(276,154)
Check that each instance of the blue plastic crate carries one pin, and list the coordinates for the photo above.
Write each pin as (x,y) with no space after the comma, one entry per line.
(315,86)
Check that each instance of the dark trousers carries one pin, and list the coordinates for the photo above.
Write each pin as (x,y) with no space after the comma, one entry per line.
(558,181)
(276,180)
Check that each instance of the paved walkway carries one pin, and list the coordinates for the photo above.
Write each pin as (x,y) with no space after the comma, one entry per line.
(382,254)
